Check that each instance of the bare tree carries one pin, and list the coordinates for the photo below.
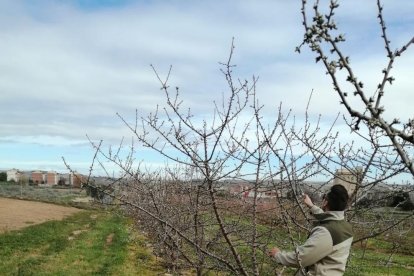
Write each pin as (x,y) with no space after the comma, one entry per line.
(388,144)
(324,39)
(237,177)
(236,184)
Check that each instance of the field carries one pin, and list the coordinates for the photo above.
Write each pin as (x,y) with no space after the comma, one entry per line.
(62,196)
(38,238)
(86,243)
(75,241)
(16,214)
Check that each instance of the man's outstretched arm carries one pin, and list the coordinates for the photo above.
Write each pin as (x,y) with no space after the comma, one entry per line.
(316,247)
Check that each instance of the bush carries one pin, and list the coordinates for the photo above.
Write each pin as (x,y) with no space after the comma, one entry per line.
(3,177)
(403,201)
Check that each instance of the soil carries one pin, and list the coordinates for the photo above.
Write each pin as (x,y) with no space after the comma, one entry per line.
(16,214)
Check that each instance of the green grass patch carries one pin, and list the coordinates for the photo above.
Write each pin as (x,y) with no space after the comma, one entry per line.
(87,243)
(375,263)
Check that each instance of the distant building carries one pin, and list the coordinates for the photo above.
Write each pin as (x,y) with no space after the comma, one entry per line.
(46,178)
(348,178)
(13,175)
(52,178)
(77,180)
(38,177)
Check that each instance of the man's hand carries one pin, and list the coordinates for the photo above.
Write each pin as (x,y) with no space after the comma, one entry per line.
(272,253)
(308,202)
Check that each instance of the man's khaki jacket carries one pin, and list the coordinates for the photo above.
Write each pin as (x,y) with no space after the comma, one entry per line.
(326,250)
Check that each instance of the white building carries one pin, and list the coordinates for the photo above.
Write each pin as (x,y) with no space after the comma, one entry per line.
(348,178)
(13,175)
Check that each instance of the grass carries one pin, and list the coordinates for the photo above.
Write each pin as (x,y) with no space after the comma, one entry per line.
(381,258)
(88,243)
(107,245)
(388,254)
(55,194)
(374,263)
(59,195)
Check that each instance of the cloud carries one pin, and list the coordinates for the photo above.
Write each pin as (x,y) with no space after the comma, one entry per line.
(42,140)
(67,67)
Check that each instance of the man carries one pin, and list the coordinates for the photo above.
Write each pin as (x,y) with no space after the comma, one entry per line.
(326,250)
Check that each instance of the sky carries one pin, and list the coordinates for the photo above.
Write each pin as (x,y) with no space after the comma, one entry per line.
(68,66)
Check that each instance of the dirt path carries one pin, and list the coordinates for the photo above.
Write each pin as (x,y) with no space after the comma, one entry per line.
(16,214)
